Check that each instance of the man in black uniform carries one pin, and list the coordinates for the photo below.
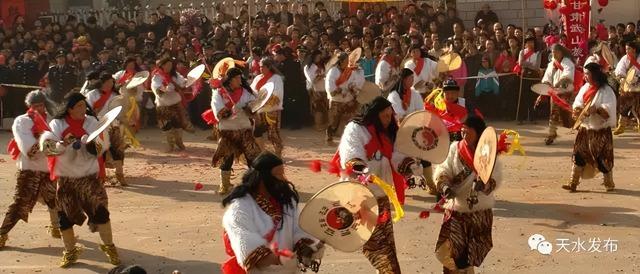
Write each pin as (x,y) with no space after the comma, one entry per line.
(62,78)
(104,62)
(26,73)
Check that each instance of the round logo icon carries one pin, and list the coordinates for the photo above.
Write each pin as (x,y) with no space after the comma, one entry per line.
(424,138)
(339,218)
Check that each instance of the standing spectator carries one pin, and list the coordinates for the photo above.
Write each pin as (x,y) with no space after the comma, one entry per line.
(296,98)
(62,78)
(165,21)
(487,89)
(509,84)
(368,64)
(284,16)
(473,60)
(487,16)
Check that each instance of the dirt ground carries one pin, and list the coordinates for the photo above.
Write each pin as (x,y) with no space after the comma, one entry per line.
(163,224)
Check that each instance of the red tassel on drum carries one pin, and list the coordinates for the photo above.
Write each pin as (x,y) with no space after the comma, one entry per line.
(503,145)
(315,166)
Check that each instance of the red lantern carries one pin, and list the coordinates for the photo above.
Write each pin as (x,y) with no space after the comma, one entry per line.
(550,4)
(603,3)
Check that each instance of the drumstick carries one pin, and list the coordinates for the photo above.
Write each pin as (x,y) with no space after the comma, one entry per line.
(578,122)
(20,86)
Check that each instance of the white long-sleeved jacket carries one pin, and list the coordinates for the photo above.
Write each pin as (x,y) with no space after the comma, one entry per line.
(23,136)
(356,80)
(238,120)
(428,73)
(553,76)
(246,225)
(311,73)
(352,146)
(167,95)
(452,167)
(416,104)
(604,98)
(71,162)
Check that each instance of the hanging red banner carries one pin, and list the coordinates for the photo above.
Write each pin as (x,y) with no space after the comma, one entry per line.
(576,19)
(9,10)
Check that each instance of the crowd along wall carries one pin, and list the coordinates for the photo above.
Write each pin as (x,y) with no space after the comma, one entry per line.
(509,11)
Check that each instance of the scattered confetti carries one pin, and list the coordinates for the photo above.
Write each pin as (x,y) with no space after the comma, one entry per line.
(198,186)
(315,166)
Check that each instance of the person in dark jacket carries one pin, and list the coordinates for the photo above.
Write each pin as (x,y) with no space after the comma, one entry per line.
(295,114)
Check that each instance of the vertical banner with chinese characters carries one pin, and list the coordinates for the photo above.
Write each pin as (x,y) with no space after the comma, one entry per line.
(576,20)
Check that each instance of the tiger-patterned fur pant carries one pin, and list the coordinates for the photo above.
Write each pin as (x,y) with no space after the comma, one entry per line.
(117,144)
(80,196)
(339,115)
(558,116)
(380,249)
(465,239)
(31,186)
(628,107)
(271,121)
(173,116)
(629,101)
(319,102)
(233,143)
(594,147)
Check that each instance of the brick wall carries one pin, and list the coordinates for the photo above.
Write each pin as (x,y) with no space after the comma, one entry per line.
(509,11)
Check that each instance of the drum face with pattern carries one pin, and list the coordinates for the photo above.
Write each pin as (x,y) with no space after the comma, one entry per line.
(343,215)
(220,69)
(484,159)
(423,135)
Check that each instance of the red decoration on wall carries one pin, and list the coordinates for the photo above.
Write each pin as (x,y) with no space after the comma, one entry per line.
(603,3)
(550,4)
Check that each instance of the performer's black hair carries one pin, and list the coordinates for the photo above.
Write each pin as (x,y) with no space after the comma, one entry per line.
(163,61)
(233,72)
(565,52)
(369,116)
(104,77)
(596,73)
(477,124)
(284,192)
(399,87)
(129,60)
(71,100)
